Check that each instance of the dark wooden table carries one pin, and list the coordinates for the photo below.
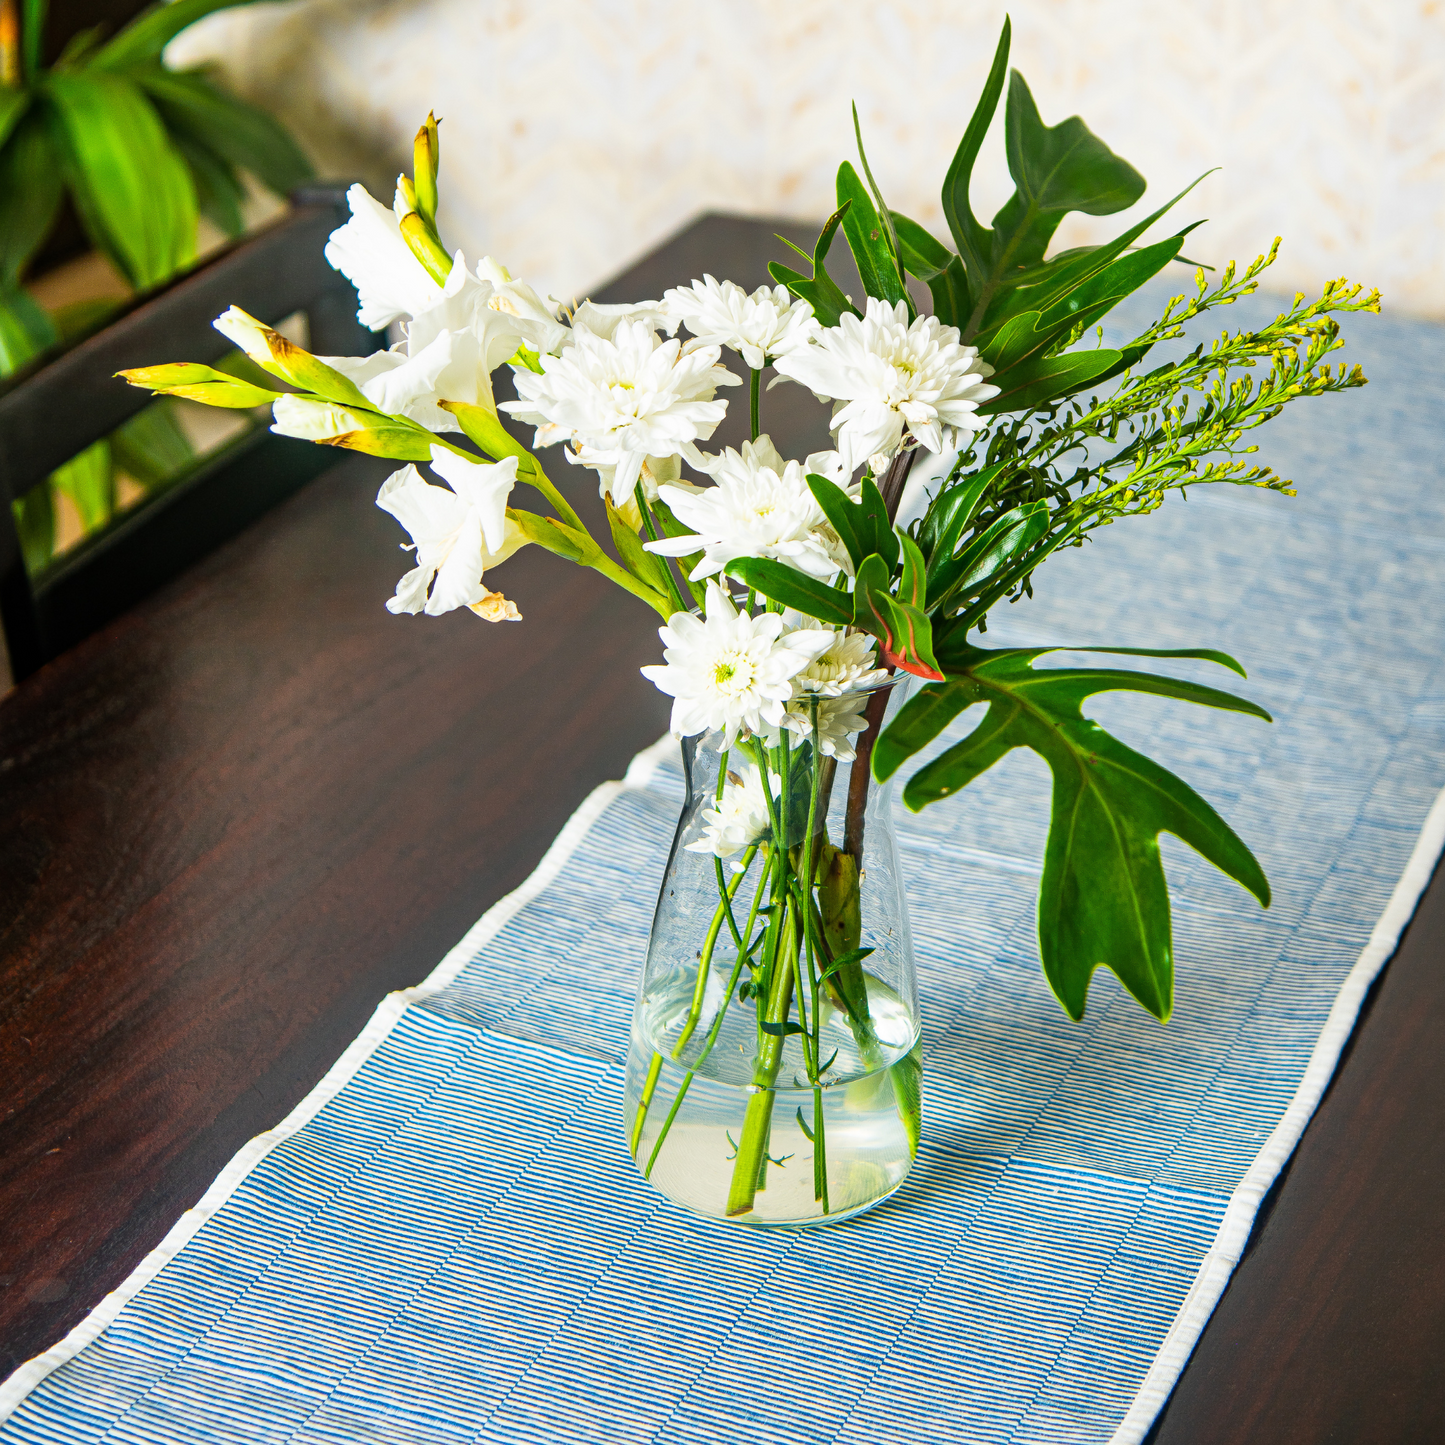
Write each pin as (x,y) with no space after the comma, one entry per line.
(237,817)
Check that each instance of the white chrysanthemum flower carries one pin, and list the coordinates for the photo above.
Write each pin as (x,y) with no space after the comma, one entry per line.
(890,378)
(849,663)
(840,720)
(760,507)
(764,326)
(741,816)
(839,678)
(623,400)
(370,251)
(458,533)
(728,672)
(602,319)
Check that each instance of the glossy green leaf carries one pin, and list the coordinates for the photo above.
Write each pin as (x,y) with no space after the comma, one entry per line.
(949,514)
(89,481)
(14,102)
(792,588)
(1103,899)
(974,241)
(35,522)
(820,291)
(131,187)
(153,29)
(30,193)
(219,193)
(1056,169)
(32,35)
(1007,537)
(1035,383)
(862,526)
(240,134)
(933,263)
(903,630)
(868,239)
(151,448)
(25,329)
(643,565)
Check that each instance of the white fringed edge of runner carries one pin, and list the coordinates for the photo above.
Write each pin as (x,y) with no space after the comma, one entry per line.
(389,1012)
(1218,1264)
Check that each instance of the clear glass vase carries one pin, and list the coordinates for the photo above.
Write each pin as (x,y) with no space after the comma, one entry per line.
(773,1070)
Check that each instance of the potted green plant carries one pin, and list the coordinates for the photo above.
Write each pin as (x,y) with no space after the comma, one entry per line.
(143,152)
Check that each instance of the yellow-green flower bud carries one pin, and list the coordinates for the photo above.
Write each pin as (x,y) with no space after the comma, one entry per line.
(270,350)
(426,155)
(198,383)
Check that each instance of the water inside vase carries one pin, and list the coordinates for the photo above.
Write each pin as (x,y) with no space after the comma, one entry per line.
(688,1140)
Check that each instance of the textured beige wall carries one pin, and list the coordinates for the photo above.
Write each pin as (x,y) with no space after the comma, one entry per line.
(580,132)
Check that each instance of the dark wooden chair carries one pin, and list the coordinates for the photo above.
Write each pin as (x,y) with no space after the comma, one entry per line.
(63,402)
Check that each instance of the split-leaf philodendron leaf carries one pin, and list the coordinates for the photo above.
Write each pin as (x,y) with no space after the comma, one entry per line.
(1103,899)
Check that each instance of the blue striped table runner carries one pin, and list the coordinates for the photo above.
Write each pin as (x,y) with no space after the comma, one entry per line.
(446,1240)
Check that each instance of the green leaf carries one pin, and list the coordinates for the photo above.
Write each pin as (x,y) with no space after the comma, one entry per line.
(131,187)
(863,526)
(25,329)
(30,193)
(32,36)
(974,242)
(14,102)
(153,29)
(904,632)
(949,514)
(1035,383)
(35,522)
(219,194)
(820,291)
(89,481)
(912,585)
(868,239)
(671,527)
(240,134)
(1056,169)
(793,589)
(151,448)
(643,565)
(1103,899)
(931,261)
(989,554)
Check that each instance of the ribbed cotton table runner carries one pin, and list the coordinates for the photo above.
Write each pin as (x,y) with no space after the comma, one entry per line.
(447,1241)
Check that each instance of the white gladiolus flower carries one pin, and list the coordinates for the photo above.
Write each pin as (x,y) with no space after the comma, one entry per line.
(370,251)
(315,421)
(623,400)
(458,532)
(400,384)
(763,326)
(482,339)
(760,507)
(741,816)
(538,322)
(730,671)
(890,378)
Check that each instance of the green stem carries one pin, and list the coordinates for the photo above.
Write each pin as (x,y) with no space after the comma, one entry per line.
(704,963)
(753,398)
(649,1088)
(820,1152)
(752,1156)
(652,536)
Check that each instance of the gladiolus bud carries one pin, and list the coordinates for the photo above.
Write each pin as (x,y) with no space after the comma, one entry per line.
(405,202)
(270,350)
(198,383)
(425,246)
(426,161)
(338,426)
